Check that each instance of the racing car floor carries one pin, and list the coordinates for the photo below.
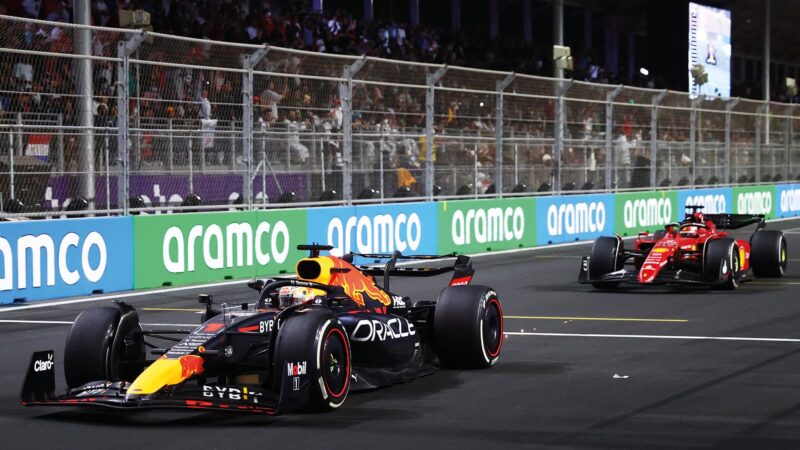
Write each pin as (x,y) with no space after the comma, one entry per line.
(637,368)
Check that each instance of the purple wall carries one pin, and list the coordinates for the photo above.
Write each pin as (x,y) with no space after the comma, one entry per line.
(162,190)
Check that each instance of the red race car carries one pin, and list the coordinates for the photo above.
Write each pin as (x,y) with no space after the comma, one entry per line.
(695,251)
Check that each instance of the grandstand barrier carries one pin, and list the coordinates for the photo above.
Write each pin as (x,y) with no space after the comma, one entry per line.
(73,257)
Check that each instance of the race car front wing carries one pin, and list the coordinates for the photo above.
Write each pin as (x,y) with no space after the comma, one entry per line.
(39,390)
(667,276)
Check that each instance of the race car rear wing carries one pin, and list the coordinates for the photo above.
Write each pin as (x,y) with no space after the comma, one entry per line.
(462,268)
(735,221)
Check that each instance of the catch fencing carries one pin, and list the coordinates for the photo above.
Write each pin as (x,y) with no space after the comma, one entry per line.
(181,124)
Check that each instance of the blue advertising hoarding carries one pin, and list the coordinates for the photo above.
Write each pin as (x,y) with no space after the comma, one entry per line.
(410,228)
(61,258)
(714,201)
(788,199)
(573,218)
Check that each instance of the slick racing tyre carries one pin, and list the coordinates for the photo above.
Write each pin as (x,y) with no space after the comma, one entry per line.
(104,343)
(721,263)
(313,346)
(604,259)
(768,253)
(468,327)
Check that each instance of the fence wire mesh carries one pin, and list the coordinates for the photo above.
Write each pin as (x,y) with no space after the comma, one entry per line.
(186,124)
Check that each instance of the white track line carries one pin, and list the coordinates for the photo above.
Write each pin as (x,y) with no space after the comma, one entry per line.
(654,336)
(97,298)
(39,322)
(65,322)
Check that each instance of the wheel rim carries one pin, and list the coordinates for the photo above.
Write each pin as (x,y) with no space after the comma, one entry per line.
(734,266)
(492,328)
(335,363)
(783,256)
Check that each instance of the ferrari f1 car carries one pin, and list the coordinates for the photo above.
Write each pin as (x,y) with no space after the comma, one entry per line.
(303,345)
(696,251)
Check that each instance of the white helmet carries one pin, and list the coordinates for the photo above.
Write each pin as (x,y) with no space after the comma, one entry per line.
(293,295)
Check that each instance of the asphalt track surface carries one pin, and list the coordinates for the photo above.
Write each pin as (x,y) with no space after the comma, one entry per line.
(573,376)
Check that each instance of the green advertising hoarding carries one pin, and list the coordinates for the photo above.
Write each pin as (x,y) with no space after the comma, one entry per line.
(182,249)
(644,211)
(474,226)
(754,200)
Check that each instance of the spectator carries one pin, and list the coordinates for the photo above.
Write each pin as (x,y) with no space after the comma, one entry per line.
(294,127)
(622,159)
(205,105)
(270,98)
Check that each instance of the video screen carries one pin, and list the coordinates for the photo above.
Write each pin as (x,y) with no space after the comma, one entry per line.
(710,46)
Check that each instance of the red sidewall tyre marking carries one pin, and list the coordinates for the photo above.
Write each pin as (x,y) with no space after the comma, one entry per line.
(343,340)
(493,354)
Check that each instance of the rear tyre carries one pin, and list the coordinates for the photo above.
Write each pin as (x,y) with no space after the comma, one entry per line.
(604,259)
(768,254)
(721,263)
(104,343)
(468,327)
(320,339)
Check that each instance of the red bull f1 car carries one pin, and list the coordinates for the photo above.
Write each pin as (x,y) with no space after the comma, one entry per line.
(304,344)
(697,251)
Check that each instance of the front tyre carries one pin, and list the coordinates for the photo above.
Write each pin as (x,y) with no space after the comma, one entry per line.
(105,343)
(604,259)
(468,327)
(318,339)
(768,254)
(721,264)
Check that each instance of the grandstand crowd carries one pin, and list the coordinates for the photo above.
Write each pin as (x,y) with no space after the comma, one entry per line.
(292,24)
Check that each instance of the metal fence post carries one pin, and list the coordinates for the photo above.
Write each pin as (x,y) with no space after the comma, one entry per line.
(249,62)
(432,79)
(18,146)
(498,135)
(171,147)
(761,110)
(124,50)
(346,94)
(610,98)
(693,139)
(12,150)
(561,119)
(787,144)
(83,75)
(60,143)
(233,145)
(728,112)
(790,144)
(654,137)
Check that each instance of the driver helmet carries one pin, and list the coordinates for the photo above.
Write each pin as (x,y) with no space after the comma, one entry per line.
(689,230)
(293,295)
